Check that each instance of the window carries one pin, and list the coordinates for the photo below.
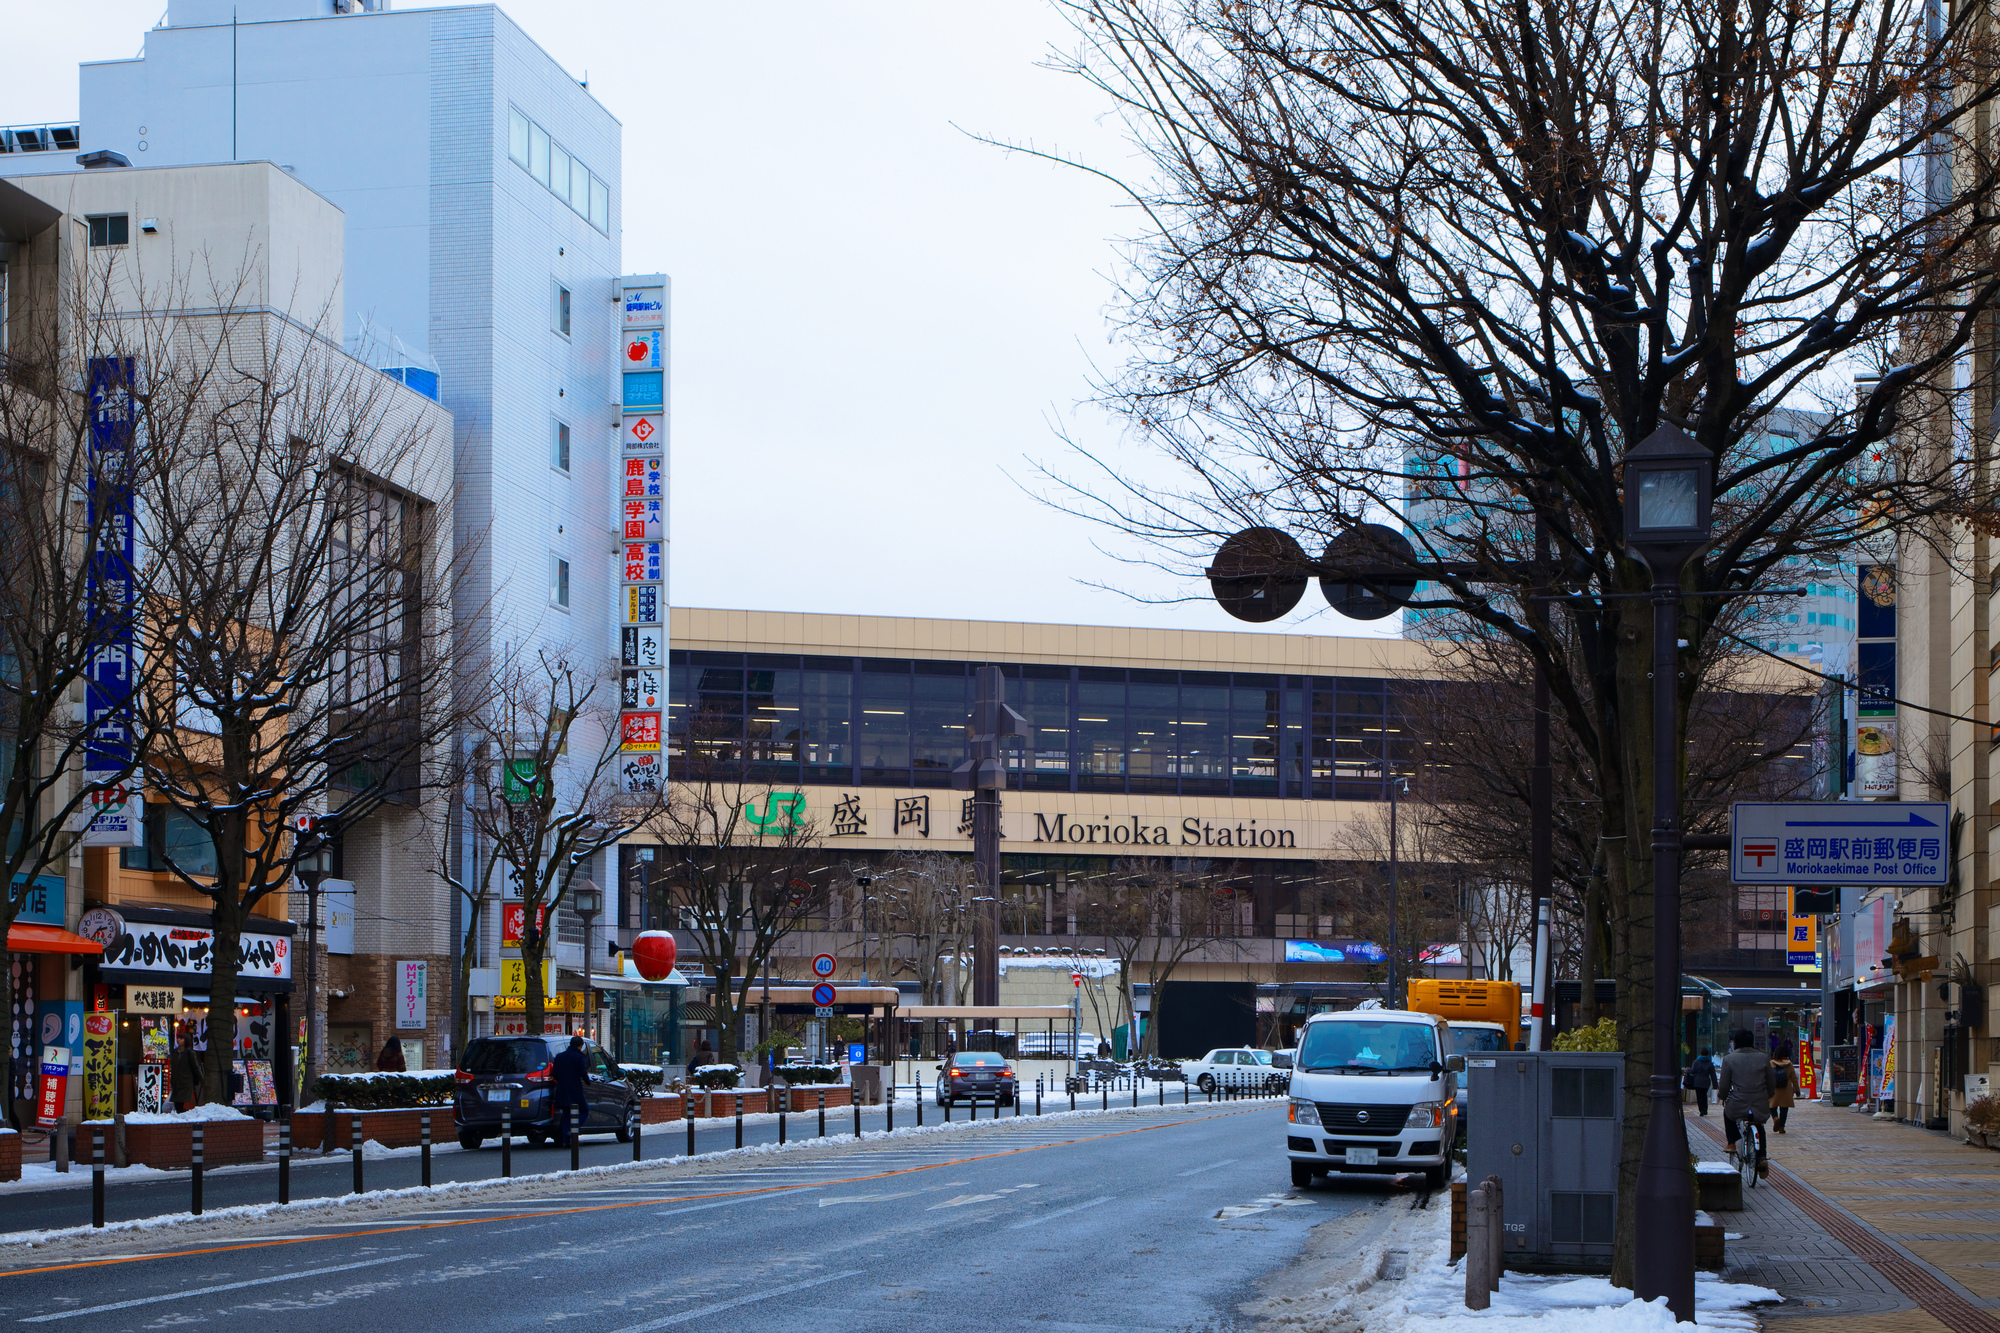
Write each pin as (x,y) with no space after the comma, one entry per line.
(517,137)
(377,618)
(559,582)
(561,310)
(565,175)
(172,841)
(110,229)
(559,446)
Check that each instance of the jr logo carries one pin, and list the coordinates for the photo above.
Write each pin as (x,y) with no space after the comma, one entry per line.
(782,811)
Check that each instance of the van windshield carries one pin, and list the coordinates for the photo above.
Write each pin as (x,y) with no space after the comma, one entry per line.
(1365,1047)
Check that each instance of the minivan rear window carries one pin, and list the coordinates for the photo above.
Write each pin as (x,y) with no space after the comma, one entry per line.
(1478,1039)
(1362,1046)
(503,1055)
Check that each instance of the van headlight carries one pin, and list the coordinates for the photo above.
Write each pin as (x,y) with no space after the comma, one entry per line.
(1426,1115)
(1304,1112)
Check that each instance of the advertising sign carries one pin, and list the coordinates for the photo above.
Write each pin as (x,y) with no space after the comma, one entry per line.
(61,1023)
(147,946)
(642,517)
(1887,1083)
(1871,942)
(645,390)
(1839,842)
(514,977)
(642,689)
(152,1088)
(1875,753)
(644,431)
(337,902)
(100,1066)
(645,307)
(1808,1071)
(645,349)
(1802,942)
(118,817)
(641,772)
(639,731)
(642,604)
(43,901)
(413,995)
(54,1086)
(513,916)
(1333,951)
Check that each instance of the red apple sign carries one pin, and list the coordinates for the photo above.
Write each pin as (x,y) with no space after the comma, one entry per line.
(653,954)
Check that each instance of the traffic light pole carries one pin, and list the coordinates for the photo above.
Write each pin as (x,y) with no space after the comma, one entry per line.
(984,774)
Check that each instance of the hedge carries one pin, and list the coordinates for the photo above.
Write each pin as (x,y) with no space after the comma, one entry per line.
(808,1073)
(644,1077)
(382,1092)
(717,1078)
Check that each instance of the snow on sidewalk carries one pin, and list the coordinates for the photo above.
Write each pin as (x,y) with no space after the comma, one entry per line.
(1430,1298)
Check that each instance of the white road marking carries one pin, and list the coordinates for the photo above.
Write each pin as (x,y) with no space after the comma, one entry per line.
(686,1316)
(869,1198)
(748,1198)
(1040,1218)
(206,1291)
(964,1199)
(1210,1167)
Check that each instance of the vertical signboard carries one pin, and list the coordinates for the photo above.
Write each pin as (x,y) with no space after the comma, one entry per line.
(1802,941)
(100,1066)
(642,511)
(117,815)
(54,1089)
(412,995)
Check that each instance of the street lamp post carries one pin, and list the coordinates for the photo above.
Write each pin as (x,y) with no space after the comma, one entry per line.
(1668,479)
(587,900)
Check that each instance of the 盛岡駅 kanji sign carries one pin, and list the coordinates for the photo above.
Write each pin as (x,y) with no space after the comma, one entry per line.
(1865,843)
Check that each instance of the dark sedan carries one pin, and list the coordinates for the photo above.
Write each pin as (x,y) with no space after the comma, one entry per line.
(976,1076)
(515,1074)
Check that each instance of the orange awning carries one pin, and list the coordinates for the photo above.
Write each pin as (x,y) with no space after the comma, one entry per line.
(26,937)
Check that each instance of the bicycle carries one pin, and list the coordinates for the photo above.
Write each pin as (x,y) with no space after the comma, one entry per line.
(1749,1139)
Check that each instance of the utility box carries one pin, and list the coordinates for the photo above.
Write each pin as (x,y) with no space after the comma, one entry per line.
(1549,1125)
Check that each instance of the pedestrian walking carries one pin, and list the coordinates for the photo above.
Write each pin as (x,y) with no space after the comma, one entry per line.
(571,1070)
(1700,1077)
(389,1060)
(184,1073)
(704,1054)
(1784,1086)
(1745,1086)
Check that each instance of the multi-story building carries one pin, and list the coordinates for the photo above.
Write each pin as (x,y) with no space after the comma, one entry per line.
(482,190)
(154,240)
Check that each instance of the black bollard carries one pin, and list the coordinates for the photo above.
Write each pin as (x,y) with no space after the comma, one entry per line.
(638,1124)
(855,1102)
(97,1175)
(285,1158)
(919,1086)
(1135,1092)
(947,1109)
(784,1107)
(424,1139)
(822,1112)
(195,1163)
(972,1113)
(739,1116)
(890,1106)
(1104,1090)
(1071,1085)
(575,1138)
(687,1114)
(354,1141)
(1038,1096)
(507,1142)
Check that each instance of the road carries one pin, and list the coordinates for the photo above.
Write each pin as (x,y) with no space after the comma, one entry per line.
(1164,1219)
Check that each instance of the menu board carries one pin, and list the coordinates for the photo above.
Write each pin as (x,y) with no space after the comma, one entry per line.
(263,1088)
(152,1088)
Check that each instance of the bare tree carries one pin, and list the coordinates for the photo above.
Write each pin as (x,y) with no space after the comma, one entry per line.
(739,874)
(71,463)
(296,599)
(926,914)
(1421,897)
(1497,247)
(1152,918)
(544,795)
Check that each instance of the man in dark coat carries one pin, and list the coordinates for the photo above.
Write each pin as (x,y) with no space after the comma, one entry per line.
(184,1073)
(1701,1077)
(572,1075)
(1746,1091)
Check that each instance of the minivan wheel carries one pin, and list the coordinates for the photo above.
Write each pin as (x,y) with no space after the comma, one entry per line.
(470,1140)
(1437,1177)
(536,1138)
(626,1130)
(1302,1176)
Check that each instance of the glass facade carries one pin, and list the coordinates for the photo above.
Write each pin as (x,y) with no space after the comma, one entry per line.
(899,723)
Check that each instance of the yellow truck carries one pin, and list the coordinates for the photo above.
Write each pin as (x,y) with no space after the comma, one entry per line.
(1471,1002)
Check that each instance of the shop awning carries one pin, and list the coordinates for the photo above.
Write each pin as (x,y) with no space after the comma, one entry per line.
(567,980)
(26,937)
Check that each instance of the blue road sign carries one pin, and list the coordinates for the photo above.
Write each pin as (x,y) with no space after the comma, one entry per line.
(1862,843)
(822,995)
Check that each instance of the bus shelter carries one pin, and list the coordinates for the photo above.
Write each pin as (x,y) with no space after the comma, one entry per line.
(1032,1031)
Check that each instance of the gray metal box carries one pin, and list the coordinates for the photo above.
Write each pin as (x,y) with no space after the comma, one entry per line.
(1549,1126)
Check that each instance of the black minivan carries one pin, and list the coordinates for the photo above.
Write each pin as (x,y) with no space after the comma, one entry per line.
(514,1074)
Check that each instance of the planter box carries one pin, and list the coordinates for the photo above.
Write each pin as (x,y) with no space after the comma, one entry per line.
(10,1155)
(660,1110)
(170,1147)
(805,1097)
(713,1104)
(1707,1243)
(1718,1187)
(398,1128)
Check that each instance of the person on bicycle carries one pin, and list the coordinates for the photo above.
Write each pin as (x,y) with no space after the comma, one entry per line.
(1745,1087)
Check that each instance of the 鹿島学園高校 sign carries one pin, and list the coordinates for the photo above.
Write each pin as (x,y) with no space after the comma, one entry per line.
(1840,842)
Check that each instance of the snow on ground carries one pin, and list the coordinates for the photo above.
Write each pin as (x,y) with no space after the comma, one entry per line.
(1431,1298)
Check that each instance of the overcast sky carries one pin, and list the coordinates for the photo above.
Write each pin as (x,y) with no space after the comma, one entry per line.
(880,324)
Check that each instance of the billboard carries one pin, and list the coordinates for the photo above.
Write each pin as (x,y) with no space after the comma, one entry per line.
(117,813)
(642,515)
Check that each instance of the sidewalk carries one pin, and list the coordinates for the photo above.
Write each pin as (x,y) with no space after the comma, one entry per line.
(1867,1226)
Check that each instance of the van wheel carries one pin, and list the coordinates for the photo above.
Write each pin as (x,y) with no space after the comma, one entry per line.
(1437,1177)
(1302,1176)
(470,1141)
(536,1138)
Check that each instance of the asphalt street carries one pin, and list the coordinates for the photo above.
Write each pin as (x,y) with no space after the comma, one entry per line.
(1156,1219)
(317,1176)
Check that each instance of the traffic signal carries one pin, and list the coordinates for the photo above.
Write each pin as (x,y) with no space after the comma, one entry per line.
(1815,900)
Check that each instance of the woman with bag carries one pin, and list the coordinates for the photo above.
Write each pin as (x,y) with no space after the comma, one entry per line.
(1784,1083)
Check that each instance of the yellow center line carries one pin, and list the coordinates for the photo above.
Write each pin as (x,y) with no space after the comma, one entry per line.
(629,1203)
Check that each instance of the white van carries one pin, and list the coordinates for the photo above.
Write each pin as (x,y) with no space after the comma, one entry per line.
(1374,1091)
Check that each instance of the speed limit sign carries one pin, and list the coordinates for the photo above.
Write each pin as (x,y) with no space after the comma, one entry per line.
(823,966)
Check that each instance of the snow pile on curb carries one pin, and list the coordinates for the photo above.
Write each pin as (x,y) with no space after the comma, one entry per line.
(1431,1299)
(205,1112)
